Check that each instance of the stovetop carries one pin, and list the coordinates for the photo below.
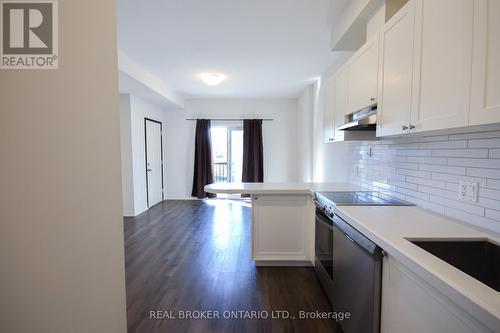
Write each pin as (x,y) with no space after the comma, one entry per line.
(359,198)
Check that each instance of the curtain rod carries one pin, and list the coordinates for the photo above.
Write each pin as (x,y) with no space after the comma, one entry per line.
(229,119)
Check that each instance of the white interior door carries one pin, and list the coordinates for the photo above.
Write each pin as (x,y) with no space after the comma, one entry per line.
(154,164)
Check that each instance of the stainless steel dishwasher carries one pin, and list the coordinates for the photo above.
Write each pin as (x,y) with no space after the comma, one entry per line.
(357,278)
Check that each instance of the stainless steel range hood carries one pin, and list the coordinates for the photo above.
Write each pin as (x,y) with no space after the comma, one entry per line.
(364,120)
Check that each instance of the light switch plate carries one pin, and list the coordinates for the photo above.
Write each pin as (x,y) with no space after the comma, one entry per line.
(467,191)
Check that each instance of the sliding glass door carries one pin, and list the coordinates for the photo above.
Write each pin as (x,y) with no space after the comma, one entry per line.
(227,152)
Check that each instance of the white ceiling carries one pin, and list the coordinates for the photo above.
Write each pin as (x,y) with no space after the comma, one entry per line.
(267,48)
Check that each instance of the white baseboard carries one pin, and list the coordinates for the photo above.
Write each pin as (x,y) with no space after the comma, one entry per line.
(129,214)
(175,197)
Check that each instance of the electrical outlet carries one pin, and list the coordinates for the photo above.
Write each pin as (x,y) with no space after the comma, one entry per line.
(467,191)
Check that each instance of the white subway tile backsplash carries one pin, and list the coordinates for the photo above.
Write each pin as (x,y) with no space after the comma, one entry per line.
(443,169)
(493,183)
(431,145)
(427,160)
(446,144)
(413,152)
(488,203)
(434,138)
(402,184)
(398,177)
(493,214)
(426,181)
(458,205)
(479,221)
(489,193)
(457,178)
(475,162)
(393,194)
(427,170)
(479,135)
(445,193)
(484,173)
(426,204)
(412,193)
(494,153)
(403,165)
(474,153)
(484,143)
(414,173)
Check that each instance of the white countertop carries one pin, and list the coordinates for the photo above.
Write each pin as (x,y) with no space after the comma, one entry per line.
(389,227)
(279,188)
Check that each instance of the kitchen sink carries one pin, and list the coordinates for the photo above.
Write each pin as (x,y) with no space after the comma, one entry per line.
(477,258)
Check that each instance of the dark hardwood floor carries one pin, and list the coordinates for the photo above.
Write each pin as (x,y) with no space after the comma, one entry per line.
(196,255)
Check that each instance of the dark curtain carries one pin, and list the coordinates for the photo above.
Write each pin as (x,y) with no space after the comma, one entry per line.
(253,151)
(203,174)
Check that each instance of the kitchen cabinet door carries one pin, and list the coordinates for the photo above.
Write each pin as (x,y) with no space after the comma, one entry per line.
(485,96)
(411,305)
(329,109)
(443,61)
(362,77)
(280,228)
(396,72)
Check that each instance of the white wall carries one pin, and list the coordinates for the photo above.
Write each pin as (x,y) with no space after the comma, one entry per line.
(305,114)
(179,154)
(61,229)
(134,110)
(375,22)
(279,137)
(330,160)
(126,156)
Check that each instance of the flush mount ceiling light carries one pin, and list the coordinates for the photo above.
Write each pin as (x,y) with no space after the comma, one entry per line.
(212,79)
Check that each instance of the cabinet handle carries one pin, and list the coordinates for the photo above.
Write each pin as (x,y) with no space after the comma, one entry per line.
(348,237)
(404,127)
(412,127)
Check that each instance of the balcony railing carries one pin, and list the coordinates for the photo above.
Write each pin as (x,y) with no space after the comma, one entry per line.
(221,172)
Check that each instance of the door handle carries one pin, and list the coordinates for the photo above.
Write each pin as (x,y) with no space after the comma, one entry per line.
(149,170)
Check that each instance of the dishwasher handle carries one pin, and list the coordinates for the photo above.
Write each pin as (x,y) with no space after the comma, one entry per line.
(349,238)
(357,238)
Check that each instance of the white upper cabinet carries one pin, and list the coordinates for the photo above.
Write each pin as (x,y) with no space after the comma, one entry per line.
(485,91)
(335,110)
(340,102)
(362,77)
(442,67)
(396,72)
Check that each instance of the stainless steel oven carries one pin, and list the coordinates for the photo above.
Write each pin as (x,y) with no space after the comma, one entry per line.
(323,246)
